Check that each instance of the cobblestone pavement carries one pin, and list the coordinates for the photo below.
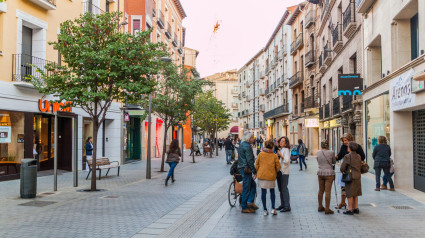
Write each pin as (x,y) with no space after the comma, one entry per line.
(196,206)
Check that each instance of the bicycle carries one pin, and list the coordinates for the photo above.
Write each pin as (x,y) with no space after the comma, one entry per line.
(235,191)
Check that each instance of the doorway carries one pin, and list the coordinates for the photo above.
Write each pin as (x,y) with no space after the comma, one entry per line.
(419,150)
(65,143)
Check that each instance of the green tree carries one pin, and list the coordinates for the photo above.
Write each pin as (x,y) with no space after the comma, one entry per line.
(102,65)
(174,99)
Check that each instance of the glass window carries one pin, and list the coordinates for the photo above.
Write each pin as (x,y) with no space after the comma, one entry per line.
(377,123)
(11,141)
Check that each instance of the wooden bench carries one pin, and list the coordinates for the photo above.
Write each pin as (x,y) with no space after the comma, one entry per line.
(103,163)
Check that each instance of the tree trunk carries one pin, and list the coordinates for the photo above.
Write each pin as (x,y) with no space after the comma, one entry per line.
(93,169)
(164,148)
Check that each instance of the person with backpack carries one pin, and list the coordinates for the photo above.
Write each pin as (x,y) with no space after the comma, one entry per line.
(302,153)
(173,158)
(228,146)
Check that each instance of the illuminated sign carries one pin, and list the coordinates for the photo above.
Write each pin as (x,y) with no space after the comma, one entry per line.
(312,122)
(350,84)
(47,106)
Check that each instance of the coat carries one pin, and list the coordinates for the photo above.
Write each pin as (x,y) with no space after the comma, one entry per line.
(381,154)
(246,157)
(353,161)
(267,166)
(344,151)
(173,156)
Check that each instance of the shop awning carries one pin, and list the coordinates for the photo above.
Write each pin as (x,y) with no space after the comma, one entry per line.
(234,130)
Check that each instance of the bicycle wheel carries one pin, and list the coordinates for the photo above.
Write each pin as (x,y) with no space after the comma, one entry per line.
(232,195)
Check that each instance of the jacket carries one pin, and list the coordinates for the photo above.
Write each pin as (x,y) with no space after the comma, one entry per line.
(381,154)
(285,162)
(228,145)
(246,157)
(353,161)
(89,148)
(173,156)
(325,159)
(267,166)
(344,151)
(301,149)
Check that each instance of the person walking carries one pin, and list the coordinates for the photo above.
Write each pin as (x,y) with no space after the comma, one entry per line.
(220,144)
(385,178)
(89,151)
(283,174)
(301,149)
(343,151)
(352,164)
(247,170)
(228,147)
(173,158)
(267,166)
(326,176)
(381,155)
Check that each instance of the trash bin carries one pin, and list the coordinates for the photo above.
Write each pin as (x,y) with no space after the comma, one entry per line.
(28,178)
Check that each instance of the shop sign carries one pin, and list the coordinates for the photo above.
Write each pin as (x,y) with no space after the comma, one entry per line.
(311,122)
(326,124)
(47,106)
(334,123)
(401,95)
(350,84)
(20,138)
(5,134)
(418,86)
(126,117)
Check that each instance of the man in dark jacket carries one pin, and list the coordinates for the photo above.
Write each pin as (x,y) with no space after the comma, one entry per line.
(247,168)
(228,146)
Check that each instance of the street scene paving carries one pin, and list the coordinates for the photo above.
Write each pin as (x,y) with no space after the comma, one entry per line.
(196,206)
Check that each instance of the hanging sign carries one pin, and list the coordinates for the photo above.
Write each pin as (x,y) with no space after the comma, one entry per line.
(312,122)
(5,134)
(401,95)
(126,117)
(47,106)
(350,84)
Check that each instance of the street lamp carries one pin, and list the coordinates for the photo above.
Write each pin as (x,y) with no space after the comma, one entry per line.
(149,159)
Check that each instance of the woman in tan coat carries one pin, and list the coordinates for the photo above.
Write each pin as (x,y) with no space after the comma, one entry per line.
(353,162)
(267,166)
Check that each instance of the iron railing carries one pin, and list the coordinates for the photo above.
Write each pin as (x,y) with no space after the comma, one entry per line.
(347,102)
(90,7)
(336,34)
(320,113)
(349,15)
(295,79)
(26,66)
(309,58)
(168,32)
(336,106)
(327,110)
(309,19)
(311,102)
(161,20)
(326,52)
(293,47)
(277,111)
(300,41)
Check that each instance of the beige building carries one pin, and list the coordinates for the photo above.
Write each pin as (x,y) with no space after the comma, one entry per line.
(189,58)
(225,89)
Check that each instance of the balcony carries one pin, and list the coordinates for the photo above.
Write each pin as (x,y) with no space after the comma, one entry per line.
(284,50)
(293,49)
(180,49)
(327,110)
(302,107)
(336,106)
(175,42)
(321,113)
(295,112)
(243,94)
(337,38)
(363,6)
(25,66)
(168,31)
(349,21)
(262,92)
(160,20)
(347,103)
(327,57)
(262,107)
(295,80)
(322,66)
(235,105)
(300,41)
(309,19)
(277,112)
(45,4)
(311,102)
(309,58)
(90,7)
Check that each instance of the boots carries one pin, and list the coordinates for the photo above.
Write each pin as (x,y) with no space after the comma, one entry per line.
(166,180)
(172,178)
(342,204)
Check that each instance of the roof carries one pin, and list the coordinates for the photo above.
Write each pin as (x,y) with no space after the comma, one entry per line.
(276,30)
(180,8)
(296,12)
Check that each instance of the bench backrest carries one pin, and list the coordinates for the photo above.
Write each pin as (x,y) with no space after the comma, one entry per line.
(100,161)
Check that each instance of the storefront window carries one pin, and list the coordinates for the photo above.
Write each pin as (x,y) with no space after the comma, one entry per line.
(44,141)
(377,123)
(11,142)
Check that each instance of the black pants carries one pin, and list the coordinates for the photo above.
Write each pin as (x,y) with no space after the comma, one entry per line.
(282,184)
(386,174)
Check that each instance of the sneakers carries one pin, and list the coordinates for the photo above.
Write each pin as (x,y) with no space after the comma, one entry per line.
(383,187)
(252,206)
(248,211)
(274,212)
(266,213)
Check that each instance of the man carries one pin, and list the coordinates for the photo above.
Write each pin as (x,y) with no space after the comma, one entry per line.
(301,149)
(261,142)
(228,146)
(247,169)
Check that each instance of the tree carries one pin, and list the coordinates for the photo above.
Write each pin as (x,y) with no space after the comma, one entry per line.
(102,65)
(174,98)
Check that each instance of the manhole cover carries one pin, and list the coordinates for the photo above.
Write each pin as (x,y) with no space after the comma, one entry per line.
(110,197)
(402,207)
(37,203)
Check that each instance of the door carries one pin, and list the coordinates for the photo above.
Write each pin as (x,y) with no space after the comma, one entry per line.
(64,145)
(26,56)
(419,149)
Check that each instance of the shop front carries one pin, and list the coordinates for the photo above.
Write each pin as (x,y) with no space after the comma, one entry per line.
(312,134)
(332,131)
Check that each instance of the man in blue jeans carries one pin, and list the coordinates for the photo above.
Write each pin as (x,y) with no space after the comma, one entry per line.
(301,154)
(245,164)
(228,146)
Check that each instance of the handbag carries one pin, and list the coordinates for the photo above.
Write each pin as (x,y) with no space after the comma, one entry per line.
(346,176)
(365,168)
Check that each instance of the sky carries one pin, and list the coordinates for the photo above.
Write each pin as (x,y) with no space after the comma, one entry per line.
(245,28)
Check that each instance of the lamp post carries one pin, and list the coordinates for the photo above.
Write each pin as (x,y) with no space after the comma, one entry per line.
(216,141)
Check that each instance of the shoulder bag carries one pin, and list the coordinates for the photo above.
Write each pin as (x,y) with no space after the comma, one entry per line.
(346,176)
(365,168)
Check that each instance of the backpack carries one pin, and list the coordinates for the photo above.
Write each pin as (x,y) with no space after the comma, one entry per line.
(305,150)
(234,168)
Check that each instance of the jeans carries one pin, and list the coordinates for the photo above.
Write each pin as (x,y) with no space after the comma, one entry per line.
(263,198)
(282,184)
(325,186)
(248,190)
(386,174)
(302,161)
(172,167)
(385,180)
(228,155)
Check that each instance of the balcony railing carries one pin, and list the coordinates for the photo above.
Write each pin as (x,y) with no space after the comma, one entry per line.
(321,113)
(295,80)
(293,50)
(295,112)
(349,20)
(277,111)
(336,106)
(309,19)
(327,110)
(311,102)
(161,20)
(175,41)
(300,41)
(180,49)
(302,107)
(347,102)
(309,58)
(90,7)
(25,66)
(336,34)
(168,31)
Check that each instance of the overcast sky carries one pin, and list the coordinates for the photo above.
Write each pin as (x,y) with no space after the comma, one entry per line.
(246,26)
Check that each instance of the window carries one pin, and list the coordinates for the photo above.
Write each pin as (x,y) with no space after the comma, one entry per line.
(136,26)
(107,6)
(414,34)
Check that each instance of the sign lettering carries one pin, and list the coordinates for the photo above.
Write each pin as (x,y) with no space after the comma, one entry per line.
(350,84)
(47,106)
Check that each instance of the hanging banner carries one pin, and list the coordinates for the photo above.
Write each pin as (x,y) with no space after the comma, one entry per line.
(5,134)
(401,95)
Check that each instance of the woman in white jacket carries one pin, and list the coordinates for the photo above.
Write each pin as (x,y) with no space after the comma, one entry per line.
(283,174)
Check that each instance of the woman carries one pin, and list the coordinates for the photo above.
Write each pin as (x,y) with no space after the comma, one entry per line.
(301,154)
(326,175)
(283,174)
(347,138)
(381,154)
(89,151)
(173,158)
(353,162)
(267,166)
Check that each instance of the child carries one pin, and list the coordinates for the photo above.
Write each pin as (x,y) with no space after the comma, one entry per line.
(384,179)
